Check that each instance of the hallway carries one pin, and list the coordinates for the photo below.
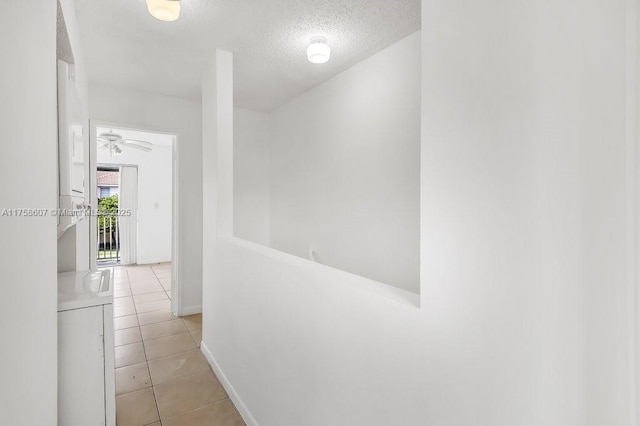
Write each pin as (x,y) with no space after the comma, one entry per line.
(162,378)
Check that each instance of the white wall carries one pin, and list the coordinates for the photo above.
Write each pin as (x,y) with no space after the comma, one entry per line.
(343,170)
(28,307)
(524,184)
(523,317)
(251,175)
(140,110)
(154,191)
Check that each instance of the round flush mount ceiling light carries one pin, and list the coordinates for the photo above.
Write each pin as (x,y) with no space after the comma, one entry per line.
(318,51)
(164,10)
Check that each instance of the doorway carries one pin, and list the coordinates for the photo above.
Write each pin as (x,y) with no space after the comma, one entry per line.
(135,199)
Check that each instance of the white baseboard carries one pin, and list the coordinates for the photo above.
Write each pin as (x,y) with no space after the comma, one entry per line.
(190,310)
(233,395)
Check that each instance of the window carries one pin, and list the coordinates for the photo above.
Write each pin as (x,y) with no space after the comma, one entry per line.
(107,191)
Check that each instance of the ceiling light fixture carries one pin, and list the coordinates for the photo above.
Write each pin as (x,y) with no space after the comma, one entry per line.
(164,10)
(318,51)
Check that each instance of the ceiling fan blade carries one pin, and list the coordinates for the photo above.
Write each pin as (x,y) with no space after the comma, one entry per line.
(138,147)
(141,145)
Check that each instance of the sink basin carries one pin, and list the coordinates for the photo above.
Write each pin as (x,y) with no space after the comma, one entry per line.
(80,289)
(96,282)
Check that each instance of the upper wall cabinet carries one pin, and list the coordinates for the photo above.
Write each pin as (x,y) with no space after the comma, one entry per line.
(71,150)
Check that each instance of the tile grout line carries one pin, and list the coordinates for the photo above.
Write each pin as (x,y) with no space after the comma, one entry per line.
(153,386)
(209,369)
(176,353)
(188,330)
(174,334)
(144,350)
(158,278)
(141,389)
(151,323)
(202,406)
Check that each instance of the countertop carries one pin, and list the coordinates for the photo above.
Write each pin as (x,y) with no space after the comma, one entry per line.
(81,289)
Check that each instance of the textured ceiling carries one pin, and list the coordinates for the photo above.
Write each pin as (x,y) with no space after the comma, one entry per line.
(124,46)
(63,45)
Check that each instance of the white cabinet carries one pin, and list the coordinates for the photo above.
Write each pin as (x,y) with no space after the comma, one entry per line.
(72,152)
(86,376)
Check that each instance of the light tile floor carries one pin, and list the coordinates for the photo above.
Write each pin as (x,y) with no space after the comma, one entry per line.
(162,378)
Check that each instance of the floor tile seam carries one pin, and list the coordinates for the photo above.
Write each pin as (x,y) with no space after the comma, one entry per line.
(151,323)
(168,335)
(155,400)
(194,409)
(153,292)
(144,352)
(153,391)
(206,405)
(146,312)
(149,301)
(185,376)
(162,337)
(146,387)
(175,353)
(178,353)
(195,329)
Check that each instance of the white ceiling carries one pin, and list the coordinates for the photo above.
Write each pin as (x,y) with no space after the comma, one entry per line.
(125,47)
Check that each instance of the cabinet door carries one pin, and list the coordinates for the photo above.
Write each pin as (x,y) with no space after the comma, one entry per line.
(109,364)
(81,397)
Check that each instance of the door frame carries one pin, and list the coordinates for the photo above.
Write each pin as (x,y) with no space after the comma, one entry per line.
(176,288)
(632,132)
(119,166)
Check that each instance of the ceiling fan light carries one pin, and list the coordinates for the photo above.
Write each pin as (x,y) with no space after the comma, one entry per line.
(318,51)
(164,10)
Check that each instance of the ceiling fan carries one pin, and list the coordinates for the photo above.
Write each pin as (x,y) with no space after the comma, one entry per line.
(114,143)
